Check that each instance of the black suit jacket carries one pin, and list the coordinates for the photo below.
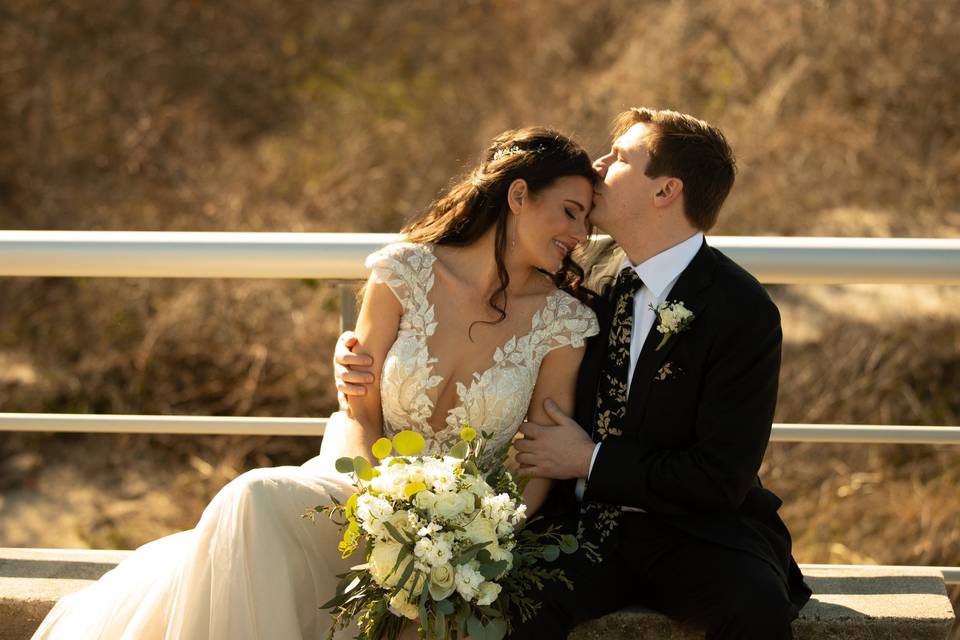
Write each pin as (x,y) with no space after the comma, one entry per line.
(699,413)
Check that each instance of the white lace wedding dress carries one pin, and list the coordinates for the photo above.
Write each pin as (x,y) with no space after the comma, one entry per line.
(252,568)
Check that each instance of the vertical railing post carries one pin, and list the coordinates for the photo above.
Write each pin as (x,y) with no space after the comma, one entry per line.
(348,306)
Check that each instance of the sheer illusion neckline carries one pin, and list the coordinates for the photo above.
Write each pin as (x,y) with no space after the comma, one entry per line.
(464,388)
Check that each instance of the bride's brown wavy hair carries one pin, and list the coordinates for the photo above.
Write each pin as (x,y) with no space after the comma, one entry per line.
(477,201)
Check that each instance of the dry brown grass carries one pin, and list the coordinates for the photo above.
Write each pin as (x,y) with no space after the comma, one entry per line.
(341,116)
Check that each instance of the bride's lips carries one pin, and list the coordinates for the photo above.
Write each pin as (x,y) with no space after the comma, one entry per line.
(563,248)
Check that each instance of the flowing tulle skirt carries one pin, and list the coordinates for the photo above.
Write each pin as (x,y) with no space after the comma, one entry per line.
(252,569)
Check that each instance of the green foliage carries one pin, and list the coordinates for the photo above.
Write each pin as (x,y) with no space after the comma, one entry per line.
(362,468)
(382,448)
(344,465)
(409,443)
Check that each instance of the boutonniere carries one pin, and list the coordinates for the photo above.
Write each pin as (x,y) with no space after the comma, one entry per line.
(672,318)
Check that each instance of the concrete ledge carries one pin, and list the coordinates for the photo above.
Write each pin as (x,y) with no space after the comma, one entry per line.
(32,580)
(849,603)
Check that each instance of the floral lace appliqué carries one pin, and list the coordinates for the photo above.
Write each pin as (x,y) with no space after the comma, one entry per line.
(494,400)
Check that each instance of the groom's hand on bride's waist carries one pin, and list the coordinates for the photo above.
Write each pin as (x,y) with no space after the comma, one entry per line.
(559,451)
(348,370)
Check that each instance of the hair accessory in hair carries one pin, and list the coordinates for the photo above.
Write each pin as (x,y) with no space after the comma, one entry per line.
(514,150)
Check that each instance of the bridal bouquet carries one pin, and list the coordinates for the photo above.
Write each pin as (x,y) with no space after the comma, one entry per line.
(443,543)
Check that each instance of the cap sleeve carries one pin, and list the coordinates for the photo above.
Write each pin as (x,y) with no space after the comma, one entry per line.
(405,267)
(568,322)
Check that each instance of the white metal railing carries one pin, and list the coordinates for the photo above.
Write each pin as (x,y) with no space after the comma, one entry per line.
(339,257)
(229,425)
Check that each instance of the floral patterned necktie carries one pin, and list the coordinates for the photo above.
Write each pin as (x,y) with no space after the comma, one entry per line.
(597,520)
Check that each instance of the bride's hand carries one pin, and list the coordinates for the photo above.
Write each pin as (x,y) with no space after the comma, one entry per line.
(347,369)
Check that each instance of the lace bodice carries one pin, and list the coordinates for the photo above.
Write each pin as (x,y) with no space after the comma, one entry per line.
(496,399)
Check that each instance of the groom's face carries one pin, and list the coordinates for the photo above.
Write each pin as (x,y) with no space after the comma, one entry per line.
(625,191)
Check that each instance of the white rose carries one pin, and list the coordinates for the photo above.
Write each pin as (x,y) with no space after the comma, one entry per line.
(442,581)
(382,560)
(400,605)
(450,505)
(481,530)
(487,593)
(400,521)
(477,486)
(425,500)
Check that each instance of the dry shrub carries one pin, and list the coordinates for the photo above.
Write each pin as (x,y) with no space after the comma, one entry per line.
(871,504)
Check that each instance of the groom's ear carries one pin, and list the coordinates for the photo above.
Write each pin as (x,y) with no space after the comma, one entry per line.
(669,192)
(517,194)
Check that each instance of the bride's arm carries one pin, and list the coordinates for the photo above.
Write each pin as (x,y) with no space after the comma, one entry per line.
(377,326)
(557,380)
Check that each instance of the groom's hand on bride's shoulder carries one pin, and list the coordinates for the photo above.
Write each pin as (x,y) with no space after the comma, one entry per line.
(559,451)
(348,370)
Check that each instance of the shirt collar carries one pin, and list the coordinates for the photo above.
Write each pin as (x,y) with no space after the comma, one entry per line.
(662,269)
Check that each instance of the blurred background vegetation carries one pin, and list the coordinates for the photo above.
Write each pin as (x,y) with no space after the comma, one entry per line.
(254,115)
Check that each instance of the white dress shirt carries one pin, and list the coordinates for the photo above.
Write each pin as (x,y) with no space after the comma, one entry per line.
(658,274)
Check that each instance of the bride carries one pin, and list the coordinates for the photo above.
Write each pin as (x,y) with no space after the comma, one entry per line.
(475,317)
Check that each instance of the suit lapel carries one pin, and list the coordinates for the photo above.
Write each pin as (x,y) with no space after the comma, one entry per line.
(689,289)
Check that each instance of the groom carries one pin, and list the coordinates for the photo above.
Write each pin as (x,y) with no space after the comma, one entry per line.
(657,471)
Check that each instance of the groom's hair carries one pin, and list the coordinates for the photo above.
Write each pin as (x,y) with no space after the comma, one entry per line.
(681,146)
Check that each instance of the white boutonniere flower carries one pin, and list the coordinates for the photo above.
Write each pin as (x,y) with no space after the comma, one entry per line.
(672,318)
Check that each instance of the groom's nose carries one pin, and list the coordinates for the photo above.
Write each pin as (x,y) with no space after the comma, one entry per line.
(600,166)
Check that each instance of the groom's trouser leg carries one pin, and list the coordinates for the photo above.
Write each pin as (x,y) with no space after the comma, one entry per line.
(596,592)
(728,592)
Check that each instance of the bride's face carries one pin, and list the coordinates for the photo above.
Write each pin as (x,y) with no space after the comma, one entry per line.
(551,223)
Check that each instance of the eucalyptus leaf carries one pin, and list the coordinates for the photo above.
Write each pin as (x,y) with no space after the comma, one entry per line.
(475,629)
(550,552)
(362,468)
(469,553)
(444,606)
(497,629)
(440,625)
(491,570)
(344,465)
(568,543)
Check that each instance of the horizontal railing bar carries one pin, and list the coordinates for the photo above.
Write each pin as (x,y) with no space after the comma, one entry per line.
(184,425)
(876,434)
(226,425)
(951,575)
(339,256)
